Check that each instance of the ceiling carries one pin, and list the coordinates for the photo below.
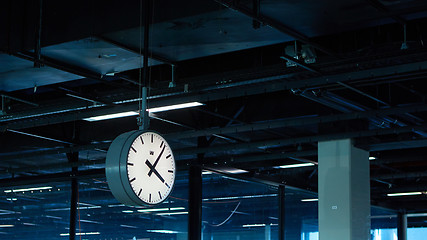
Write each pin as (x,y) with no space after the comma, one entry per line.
(359,72)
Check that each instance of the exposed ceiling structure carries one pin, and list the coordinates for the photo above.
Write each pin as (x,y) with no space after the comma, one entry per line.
(274,77)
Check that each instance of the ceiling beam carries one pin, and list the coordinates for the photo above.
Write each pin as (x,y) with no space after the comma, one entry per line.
(265,20)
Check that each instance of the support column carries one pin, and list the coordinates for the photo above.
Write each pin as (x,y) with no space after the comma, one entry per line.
(267,232)
(195,195)
(73,157)
(402,226)
(281,212)
(344,191)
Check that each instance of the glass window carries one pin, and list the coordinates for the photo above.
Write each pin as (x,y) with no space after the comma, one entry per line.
(238,209)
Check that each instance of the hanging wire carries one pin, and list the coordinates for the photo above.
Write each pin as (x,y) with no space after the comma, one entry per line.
(228,218)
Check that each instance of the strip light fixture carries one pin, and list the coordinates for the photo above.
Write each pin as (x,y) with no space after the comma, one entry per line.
(310,200)
(162,231)
(298,165)
(160,209)
(80,234)
(404,194)
(171,213)
(151,110)
(27,189)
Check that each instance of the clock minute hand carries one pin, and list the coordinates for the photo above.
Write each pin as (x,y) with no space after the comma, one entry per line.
(152,169)
(157,161)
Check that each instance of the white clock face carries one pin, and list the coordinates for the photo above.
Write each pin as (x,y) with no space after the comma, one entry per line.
(151,168)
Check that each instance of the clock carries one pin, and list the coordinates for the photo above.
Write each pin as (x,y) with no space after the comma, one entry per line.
(140,168)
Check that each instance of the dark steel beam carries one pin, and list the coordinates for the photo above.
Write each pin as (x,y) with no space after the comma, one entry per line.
(48,178)
(274,24)
(293,122)
(380,7)
(300,140)
(300,63)
(246,88)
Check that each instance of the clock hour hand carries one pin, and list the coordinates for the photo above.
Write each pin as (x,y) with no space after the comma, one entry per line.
(157,161)
(153,170)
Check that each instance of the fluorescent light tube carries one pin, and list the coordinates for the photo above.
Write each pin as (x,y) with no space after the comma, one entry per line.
(372,158)
(404,194)
(27,189)
(111,116)
(7,226)
(171,213)
(80,234)
(310,200)
(160,209)
(162,231)
(296,165)
(254,225)
(151,110)
(127,211)
(175,107)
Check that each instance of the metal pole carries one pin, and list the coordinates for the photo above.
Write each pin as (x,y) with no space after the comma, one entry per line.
(281,212)
(37,49)
(402,226)
(144,118)
(73,157)
(195,195)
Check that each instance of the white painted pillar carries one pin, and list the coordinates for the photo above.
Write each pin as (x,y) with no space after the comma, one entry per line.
(344,191)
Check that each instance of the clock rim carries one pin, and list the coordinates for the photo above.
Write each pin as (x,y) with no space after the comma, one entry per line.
(116,168)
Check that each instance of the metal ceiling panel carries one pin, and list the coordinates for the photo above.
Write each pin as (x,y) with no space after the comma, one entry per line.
(16,74)
(96,55)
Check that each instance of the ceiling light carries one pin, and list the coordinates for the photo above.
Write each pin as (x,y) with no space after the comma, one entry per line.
(26,189)
(296,165)
(175,107)
(160,209)
(127,211)
(128,226)
(135,113)
(404,194)
(254,225)
(372,158)
(205,172)
(11,199)
(162,231)
(6,226)
(80,234)
(171,213)
(310,200)
(111,116)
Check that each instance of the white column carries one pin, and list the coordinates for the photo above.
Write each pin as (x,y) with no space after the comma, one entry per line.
(344,191)
(267,232)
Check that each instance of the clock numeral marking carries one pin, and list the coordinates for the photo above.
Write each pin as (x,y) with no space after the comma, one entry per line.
(149,199)
(133,149)
(167,185)
(171,171)
(142,141)
(161,144)
(140,191)
(160,195)
(168,156)
(130,164)
(151,138)
(133,179)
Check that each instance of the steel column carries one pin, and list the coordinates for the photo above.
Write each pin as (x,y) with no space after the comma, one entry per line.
(73,157)
(195,195)
(281,190)
(402,226)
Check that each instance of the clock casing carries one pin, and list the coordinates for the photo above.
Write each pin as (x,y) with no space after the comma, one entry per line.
(140,168)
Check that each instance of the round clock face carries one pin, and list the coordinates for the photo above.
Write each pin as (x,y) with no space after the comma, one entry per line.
(151,168)
(140,168)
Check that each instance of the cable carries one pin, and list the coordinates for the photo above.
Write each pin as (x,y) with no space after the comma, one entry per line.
(228,218)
